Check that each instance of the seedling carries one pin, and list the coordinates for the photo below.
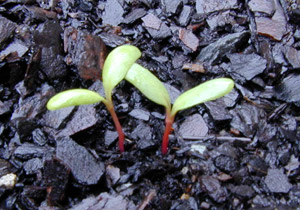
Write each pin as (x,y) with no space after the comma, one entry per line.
(154,90)
(115,68)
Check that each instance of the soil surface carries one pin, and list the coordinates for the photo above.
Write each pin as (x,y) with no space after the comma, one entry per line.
(238,152)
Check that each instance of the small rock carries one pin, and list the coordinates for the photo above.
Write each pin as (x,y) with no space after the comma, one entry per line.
(220,20)
(185,15)
(293,164)
(146,143)
(293,56)
(173,92)
(8,181)
(198,148)
(16,49)
(244,191)
(208,6)
(156,28)
(193,126)
(226,163)
(265,6)
(57,118)
(32,166)
(213,187)
(105,201)
(288,90)
(217,110)
(247,66)
(214,52)
(27,151)
(86,51)
(113,174)
(56,177)
(246,119)
(140,114)
(47,37)
(142,131)
(83,165)
(231,98)
(83,118)
(7,27)
(275,27)
(134,15)
(277,181)
(257,165)
(113,14)
(112,40)
(189,39)
(110,137)
(151,21)
(171,6)
(4,108)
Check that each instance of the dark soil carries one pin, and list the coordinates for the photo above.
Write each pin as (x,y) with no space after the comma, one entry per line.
(238,152)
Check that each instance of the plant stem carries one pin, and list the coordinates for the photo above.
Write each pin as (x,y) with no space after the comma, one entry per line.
(118,126)
(169,121)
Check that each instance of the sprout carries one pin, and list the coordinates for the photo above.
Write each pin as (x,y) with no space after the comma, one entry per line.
(116,65)
(154,90)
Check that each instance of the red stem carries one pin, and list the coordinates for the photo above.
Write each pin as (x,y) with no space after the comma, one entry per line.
(118,126)
(169,121)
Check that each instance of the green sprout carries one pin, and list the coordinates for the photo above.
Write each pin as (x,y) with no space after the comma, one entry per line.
(155,91)
(115,68)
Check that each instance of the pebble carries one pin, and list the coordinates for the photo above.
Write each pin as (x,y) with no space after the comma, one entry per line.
(293,56)
(274,27)
(140,114)
(217,110)
(8,181)
(277,181)
(27,151)
(156,28)
(17,47)
(214,52)
(246,65)
(189,39)
(185,15)
(110,137)
(83,118)
(84,167)
(32,166)
(105,201)
(7,28)
(213,187)
(171,6)
(208,6)
(288,90)
(113,173)
(47,37)
(193,126)
(57,118)
(226,163)
(134,15)
(113,14)
(265,6)
(244,191)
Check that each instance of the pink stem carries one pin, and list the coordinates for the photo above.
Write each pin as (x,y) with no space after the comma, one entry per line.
(117,125)
(168,129)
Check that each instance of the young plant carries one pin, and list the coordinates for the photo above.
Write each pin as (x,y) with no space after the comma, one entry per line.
(154,90)
(115,68)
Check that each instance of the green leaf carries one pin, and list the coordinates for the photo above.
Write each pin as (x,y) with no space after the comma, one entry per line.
(73,97)
(149,85)
(204,92)
(116,65)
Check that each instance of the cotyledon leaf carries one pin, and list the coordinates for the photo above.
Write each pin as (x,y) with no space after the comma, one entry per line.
(73,97)
(116,65)
(149,85)
(204,92)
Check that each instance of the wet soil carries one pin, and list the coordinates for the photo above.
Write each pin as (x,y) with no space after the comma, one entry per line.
(238,152)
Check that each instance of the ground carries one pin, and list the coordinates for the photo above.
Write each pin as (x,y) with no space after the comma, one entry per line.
(238,152)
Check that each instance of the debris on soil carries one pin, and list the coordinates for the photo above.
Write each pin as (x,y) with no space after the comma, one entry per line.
(84,167)
(193,126)
(214,52)
(277,181)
